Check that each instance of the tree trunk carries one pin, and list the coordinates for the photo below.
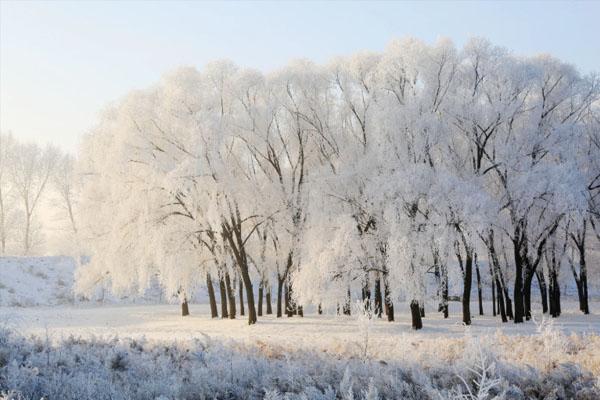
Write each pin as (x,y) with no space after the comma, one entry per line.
(279,297)
(211,297)
(223,295)
(543,290)
(492,275)
(579,293)
(230,296)
(260,299)
(509,306)
(249,296)
(527,293)
(503,290)
(366,293)
(497,277)
(438,281)
(467,279)
(289,308)
(347,304)
(268,299)
(479,289)
(586,304)
(241,295)
(518,292)
(378,298)
(444,283)
(319,309)
(184,308)
(554,292)
(389,304)
(583,297)
(232,232)
(415,312)
(501,305)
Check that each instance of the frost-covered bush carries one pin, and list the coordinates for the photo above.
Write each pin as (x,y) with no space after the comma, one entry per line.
(113,368)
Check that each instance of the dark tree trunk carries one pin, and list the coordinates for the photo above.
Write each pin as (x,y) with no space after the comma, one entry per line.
(366,293)
(289,307)
(554,293)
(467,275)
(268,299)
(581,280)
(497,277)
(184,308)
(260,299)
(280,297)
(501,305)
(553,286)
(232,232)
(543,290)
(527,281)
(479,288)
(230,296)
(467,280)
(503,290)
(492,275)
(249,297)
(582,294)
(300,311)
(319,309)
(528,265)
(509,305)
(241,295)
(223,295)
(586,304)
(518,292)
(347,304)
(389,304)
(438,281)
(212,299)
(579,293)
(378,298)
(444,283)
(415,312)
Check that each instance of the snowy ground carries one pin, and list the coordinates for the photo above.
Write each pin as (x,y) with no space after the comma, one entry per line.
(56,348)
(333,334)
(165,322)
(32,281)
(151,352)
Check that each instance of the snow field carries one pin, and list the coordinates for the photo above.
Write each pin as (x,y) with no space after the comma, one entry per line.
(547,364)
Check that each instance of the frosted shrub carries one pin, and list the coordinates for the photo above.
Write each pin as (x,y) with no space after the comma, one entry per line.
(372,393)
(141,369)
(364,323)
(480,387)
(346,391)
(553,342)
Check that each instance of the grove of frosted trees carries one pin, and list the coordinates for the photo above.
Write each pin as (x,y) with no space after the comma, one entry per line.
(377,177)
(37,185)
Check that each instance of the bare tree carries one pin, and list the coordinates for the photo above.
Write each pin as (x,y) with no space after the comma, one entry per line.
(7,144)
(31,170)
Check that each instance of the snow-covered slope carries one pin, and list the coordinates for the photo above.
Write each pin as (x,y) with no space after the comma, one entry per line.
(30,281)
(48,281)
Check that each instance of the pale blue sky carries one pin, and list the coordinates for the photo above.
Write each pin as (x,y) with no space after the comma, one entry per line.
(61,62)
